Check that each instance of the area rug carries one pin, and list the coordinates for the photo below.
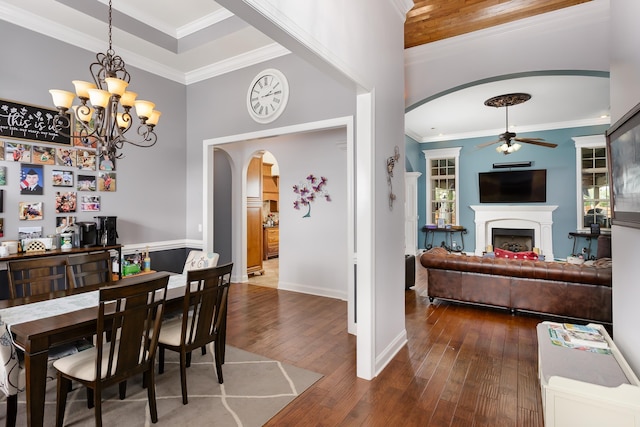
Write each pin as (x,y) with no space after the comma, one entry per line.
(254,390)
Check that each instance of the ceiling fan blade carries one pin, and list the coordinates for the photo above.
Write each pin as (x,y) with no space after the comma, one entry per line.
(537,141)
(486,144)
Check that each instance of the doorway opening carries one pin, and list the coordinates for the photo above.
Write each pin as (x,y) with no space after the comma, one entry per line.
(270,227)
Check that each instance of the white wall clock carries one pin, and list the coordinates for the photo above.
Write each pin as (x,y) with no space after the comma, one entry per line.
(267,96)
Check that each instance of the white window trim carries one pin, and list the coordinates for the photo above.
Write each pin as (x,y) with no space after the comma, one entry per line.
(591,141)
(436,154)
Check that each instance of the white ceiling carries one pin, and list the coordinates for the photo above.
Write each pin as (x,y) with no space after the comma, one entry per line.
(557,101)
(192,40)
(183,40)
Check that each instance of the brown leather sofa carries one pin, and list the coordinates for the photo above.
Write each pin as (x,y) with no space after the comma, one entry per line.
(557,288)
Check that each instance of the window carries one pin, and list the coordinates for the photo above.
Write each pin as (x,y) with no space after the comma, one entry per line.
(593,200)
(442,185)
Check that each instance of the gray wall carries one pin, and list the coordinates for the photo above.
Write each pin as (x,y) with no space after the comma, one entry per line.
(150,200)
(217,107)
(625,94)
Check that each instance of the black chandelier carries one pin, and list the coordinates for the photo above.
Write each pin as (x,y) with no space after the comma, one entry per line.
(107,118)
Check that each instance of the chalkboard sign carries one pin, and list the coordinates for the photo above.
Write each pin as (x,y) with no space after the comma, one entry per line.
(22,121)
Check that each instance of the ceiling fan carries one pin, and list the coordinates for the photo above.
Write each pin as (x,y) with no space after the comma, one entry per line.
(508,140)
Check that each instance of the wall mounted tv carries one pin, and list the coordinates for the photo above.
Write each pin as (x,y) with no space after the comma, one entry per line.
(521,186)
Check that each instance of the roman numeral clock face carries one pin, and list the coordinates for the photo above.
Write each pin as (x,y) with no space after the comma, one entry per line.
(267,96)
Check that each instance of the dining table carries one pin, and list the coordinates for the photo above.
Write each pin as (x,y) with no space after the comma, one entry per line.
(40,322)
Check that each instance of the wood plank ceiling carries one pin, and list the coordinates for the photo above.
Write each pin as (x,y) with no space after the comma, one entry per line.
(432,20)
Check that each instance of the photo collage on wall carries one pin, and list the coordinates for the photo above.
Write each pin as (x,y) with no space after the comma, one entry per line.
(72,166)
(77,167)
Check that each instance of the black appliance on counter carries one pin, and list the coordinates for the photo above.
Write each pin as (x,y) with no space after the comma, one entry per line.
(107,232)
(88,234)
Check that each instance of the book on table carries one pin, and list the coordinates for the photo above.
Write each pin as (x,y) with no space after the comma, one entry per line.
(576,336)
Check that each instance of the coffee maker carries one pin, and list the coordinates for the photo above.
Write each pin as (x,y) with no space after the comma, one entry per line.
(107,232)
(88,234)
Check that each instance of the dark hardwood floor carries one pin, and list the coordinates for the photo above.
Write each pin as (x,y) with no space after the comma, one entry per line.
(462,366)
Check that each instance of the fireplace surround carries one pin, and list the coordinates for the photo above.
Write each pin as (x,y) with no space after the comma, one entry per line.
(538,218)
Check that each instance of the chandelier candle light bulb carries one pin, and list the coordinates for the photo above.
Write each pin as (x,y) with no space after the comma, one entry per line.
(82,88)
(116,86)
(144,109)
(62,99)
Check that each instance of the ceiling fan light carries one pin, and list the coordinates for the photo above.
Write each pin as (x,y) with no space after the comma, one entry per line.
(516,146)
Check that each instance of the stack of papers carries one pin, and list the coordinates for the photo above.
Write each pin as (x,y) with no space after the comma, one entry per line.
(582,337)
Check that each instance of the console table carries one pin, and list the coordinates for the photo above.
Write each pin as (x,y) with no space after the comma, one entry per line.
(58,252)
(449,234)
(588,237)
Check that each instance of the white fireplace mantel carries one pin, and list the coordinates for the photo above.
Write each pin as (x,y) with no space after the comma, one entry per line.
(536,217)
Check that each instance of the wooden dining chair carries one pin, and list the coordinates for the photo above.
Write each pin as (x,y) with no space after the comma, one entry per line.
(12,376)
(203,320)
(37,276)
(90,269)
(131,312)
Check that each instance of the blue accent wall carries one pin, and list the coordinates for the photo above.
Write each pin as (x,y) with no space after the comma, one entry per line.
(559,162)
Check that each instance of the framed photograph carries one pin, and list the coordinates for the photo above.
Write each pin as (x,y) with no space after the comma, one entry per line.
(29,232)
(61,178)
(28,211)
(623,151)
(86,160)
(86,183)
(86,141)
(44,155)
(31,179)
(90,203)
(15,152)
(66,202)
(66,157)
(3,175)
(107,163)
(64,222)
(107,182)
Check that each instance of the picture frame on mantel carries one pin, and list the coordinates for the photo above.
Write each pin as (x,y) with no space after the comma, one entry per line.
(623,152)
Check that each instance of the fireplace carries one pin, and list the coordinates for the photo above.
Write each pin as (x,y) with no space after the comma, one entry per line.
(513,239)
(538,218)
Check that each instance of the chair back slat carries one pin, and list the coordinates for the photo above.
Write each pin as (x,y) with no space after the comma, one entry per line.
(90,269)
(37,276)
(204,304)
(131,315)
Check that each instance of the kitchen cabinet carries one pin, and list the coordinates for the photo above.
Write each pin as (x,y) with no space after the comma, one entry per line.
(254,217)
(270,190)
(271,242)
